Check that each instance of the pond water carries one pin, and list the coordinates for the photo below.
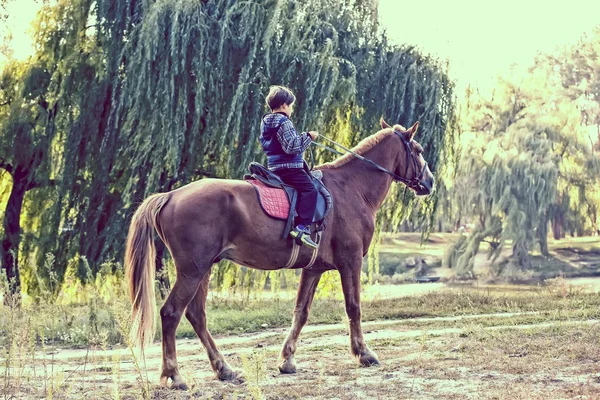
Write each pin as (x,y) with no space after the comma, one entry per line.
(591,284)
(387,291)
(408,289)
(586,285)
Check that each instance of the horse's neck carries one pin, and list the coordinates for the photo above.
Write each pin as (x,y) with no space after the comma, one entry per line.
(370,183)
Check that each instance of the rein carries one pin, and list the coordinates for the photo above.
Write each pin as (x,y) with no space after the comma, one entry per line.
(413,183)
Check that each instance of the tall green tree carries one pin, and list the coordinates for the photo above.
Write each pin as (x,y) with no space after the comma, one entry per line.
(26,136)
(154,94)
(576,77)
(68,80)
(218,69)
(525,158)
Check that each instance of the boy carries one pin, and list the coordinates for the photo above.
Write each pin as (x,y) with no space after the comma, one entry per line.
(284,147)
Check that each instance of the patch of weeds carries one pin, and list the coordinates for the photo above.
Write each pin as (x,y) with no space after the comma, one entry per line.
(419,362)
(255,372)
(123,320)
(389,342)
(510,350)
(559,287)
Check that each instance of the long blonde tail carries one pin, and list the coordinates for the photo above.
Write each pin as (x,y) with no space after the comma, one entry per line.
(140,254)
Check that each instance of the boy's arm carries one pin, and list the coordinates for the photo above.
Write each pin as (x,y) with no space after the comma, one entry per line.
(292,142)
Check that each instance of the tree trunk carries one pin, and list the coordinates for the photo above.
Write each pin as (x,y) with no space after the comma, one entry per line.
(542,232)
(557,227)
(521,254)
(12,233)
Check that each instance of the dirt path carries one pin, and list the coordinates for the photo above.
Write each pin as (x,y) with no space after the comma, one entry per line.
(422,358)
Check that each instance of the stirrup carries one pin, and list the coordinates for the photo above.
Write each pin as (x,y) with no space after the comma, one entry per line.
(304,237)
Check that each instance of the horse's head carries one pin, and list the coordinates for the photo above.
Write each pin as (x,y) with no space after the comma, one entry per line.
(412,167)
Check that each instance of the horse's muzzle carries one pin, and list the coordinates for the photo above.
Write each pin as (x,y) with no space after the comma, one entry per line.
(426,184)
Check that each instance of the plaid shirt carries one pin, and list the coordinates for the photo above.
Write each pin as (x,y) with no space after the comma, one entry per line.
(291,142)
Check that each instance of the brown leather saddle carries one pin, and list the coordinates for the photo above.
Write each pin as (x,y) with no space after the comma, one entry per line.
(271,201)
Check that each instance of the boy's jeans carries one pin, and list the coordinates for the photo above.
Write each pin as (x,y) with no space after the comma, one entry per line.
(307,193)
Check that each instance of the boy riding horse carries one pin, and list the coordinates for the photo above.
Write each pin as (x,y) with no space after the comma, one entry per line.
(284,147)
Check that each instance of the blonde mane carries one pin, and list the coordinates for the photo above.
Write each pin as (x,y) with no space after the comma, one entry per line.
(361,148)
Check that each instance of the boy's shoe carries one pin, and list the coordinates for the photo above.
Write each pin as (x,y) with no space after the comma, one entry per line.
(304,235)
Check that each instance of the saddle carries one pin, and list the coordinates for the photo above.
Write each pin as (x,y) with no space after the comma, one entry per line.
(278,200)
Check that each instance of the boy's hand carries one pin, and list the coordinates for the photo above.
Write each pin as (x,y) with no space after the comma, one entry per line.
(313,134)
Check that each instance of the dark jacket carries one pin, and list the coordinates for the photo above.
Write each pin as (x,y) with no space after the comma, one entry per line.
(281,142)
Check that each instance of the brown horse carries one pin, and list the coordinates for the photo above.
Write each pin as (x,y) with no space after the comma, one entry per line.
(210,220)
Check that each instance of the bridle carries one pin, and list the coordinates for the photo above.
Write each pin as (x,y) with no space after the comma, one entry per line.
(413,183)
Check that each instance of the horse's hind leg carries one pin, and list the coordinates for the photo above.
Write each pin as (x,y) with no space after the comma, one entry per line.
(196,314)
(306,292)
(183,292)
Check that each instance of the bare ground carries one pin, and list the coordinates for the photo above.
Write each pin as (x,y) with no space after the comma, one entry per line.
(486,356)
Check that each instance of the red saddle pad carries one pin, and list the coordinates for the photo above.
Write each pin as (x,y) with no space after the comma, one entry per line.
(273,201)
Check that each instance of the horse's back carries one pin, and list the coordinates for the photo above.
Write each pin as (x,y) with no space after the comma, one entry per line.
(209,190)
(206,203)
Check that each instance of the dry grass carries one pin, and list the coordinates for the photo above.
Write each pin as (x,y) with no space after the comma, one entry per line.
(549,348)
(460,342)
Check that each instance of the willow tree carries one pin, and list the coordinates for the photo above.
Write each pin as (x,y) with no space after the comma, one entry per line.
(513,183)
(26,135)
(523,150)
(575,72)
(155,94)
(196,76)
(557,101)
(67,78)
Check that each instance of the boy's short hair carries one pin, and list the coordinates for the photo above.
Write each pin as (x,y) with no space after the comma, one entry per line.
(278,96)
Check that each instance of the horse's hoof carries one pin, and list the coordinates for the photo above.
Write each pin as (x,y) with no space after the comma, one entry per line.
(368,359)
(178,382)
(179,386)
(227,374)
(287,367)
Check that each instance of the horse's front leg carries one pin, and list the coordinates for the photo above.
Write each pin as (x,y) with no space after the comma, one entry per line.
(350,275)
(306,292)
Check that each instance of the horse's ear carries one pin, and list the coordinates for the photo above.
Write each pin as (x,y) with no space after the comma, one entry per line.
(384,125)
(413,130)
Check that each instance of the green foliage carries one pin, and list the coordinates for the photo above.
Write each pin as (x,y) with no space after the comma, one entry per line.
(136,97)
(516,178)
(576,101)
(255,372)
(528,159)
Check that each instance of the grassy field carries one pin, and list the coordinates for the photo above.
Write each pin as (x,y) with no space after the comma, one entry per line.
(455,340)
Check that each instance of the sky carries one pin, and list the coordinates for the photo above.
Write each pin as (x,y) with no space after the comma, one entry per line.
(480,39)
(21,14)
(483,39)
